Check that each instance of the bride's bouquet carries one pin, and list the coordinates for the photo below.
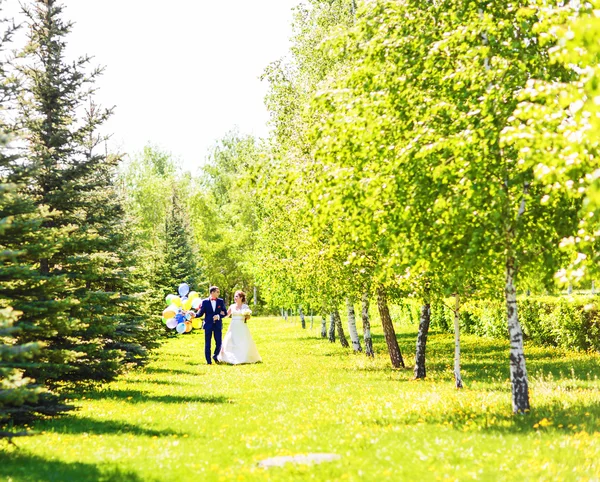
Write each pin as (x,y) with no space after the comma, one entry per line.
(246,313)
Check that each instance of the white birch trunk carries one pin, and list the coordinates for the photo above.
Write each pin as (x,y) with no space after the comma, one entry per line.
(518,371)
(323,326)
(352,326)
(367,325)
(302,320)
(457,378)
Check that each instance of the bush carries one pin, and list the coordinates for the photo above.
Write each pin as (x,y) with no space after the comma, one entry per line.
(571,322)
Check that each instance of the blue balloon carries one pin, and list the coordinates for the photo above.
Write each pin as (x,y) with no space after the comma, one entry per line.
(183,289)
(180,317)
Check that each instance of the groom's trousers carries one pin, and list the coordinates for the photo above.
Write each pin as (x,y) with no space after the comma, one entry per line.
(217,331)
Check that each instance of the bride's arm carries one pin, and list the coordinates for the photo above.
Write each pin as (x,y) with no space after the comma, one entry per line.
(229,311)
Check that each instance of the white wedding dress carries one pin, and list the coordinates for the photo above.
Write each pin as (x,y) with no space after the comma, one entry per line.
(238,345)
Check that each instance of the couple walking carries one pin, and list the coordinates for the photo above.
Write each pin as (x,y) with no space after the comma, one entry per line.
(238,345)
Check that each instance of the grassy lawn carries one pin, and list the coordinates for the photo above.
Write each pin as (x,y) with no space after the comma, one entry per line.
(180,419)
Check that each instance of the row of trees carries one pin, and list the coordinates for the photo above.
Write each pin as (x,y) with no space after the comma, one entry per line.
(429,149)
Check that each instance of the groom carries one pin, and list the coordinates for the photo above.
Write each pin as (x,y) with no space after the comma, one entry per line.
(213,309)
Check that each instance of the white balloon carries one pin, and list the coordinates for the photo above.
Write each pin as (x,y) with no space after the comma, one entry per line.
(183,289)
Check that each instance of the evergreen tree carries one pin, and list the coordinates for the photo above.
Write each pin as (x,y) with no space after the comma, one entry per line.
(20,397)
(71,302)
(180,261)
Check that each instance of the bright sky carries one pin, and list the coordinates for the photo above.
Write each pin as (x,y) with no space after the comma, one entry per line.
(181,73)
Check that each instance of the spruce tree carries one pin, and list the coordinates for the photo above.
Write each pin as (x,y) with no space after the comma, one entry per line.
(180,262)
(75,307)
(20,397)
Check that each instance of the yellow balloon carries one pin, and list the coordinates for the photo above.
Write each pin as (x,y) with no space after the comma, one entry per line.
(187,304)
(197,323)
(193,295)
(176,301)
(168,313)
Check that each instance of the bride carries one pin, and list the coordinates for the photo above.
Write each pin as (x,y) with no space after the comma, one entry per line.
(238,345)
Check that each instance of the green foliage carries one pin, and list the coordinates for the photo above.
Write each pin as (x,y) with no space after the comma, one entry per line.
(156,197)
(223,210)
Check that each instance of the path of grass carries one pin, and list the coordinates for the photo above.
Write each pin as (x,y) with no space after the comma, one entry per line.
(181,420)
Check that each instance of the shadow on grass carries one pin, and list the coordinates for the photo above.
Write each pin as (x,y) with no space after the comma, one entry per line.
(137,396)
(487,360)
(170,371)
(483,360)
(20,466)
(546,418)
(77,425)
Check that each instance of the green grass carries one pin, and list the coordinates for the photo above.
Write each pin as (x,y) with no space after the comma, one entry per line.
(179,419)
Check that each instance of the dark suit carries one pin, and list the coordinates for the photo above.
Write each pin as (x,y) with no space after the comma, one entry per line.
(212,327)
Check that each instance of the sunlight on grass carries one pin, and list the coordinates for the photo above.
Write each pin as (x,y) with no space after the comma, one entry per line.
(180,419)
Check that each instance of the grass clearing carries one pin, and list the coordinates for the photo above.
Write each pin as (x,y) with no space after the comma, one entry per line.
(179,419)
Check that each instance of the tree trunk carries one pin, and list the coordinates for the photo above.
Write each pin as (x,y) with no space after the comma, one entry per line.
(367,325)
(312,320)
(457,377)
(323,326)
(352,326)
(340,328)
(388,329)
(302,320)
(518,371)
(424,321)
(332,328)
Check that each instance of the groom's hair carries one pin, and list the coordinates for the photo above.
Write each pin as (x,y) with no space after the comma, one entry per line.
(212,289)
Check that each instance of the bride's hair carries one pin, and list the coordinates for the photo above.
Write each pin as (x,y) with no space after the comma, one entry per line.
(242,295)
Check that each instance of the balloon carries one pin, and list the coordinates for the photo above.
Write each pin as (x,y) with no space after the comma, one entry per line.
(183,289)
(170,311)
(172,323)
(176,301)
(193,295)
(196,302)
(196,323)
(180,327)
(188,326)
(169,299)
(187,304)
(180,317)
(188,316)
